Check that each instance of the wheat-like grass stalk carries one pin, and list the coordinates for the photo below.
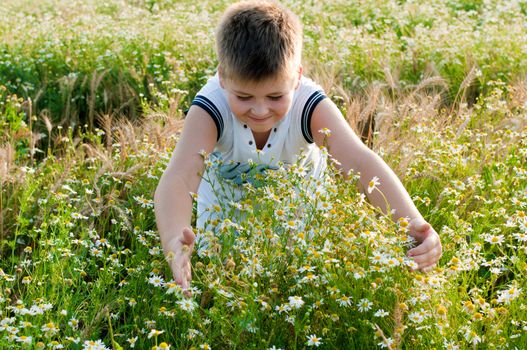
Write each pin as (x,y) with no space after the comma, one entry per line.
(67,85)
(465,84)
(106,123)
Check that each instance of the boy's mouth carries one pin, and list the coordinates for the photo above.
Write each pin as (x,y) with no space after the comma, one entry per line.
(259,119)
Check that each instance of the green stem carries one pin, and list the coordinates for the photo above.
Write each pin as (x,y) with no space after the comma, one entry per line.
(115,345)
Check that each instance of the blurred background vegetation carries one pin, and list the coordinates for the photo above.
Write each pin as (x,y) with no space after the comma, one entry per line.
(79,60)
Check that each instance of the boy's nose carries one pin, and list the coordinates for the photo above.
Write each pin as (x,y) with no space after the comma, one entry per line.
(259,110)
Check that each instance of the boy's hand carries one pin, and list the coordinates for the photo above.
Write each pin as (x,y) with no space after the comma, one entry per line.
(179,261)
(429,250)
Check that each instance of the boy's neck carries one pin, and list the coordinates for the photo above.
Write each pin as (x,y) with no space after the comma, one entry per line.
(260,138)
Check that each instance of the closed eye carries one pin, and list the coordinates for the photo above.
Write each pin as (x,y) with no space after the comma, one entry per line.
(275,98)
(244,98)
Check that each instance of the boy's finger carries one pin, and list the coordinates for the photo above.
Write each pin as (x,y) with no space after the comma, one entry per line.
(419,228)
(188,237)
(419,224)
(180,279)
(187,271)
(178,270)
(430,257)
(422,248)
(186,283)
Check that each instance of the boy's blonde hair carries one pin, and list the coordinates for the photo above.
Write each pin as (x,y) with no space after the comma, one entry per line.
(258,40)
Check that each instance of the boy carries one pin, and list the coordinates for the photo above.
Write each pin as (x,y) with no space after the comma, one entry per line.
(259,106)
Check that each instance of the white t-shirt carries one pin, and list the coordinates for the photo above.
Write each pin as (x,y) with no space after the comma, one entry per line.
(289,138)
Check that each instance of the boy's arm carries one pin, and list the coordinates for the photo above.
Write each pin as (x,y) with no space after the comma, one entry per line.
(347,148)
(172,199)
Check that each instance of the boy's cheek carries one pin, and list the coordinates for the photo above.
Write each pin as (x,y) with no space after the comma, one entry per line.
(235,107)
(284,106)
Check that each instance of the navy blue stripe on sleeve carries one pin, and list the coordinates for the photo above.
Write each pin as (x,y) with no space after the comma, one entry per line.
(307,112)
(212,110)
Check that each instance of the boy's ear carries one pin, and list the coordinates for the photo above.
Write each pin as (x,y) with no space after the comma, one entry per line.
(221,80)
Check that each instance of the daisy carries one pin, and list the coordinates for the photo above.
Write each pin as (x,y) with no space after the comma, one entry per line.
(26,340)
(172,288)
(411,264)
(280,214)
(156,280)
(192,333)
(55,345)
(387,343)
(296,302)
(378,258)
(96,252)
(50,328)
(154,333)
(506,296)
(344,301)
(325,131)
(392,262)
(155,251)
(373,184)
(403,223)
(359,274)
(472,337)
(310,277)
(77,216)
(308,268)
(450,345)
(381,313)
(364,305)
(313,340)
(416,317)
(94,345)
(144,202)
(324,206)
(291,224)
(522,237)
(493,239)
(73,323)
(282,308)
(132,341)
(187,305)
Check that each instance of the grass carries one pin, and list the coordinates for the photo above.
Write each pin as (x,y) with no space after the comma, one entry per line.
(89,118)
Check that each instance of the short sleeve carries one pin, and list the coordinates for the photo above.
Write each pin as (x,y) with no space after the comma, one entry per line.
(307,97)
(212,99)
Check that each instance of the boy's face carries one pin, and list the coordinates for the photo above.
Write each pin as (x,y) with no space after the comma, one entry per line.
(263,104)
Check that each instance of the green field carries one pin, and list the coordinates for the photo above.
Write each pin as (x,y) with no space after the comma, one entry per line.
(92,95)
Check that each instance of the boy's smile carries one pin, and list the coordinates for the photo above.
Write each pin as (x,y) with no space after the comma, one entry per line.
(262,104)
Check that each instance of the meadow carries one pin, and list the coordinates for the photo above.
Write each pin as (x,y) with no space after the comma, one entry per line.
(92,100)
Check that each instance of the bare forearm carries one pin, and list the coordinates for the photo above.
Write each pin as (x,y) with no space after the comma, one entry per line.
(173,208)
(391,187)
(346,147)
